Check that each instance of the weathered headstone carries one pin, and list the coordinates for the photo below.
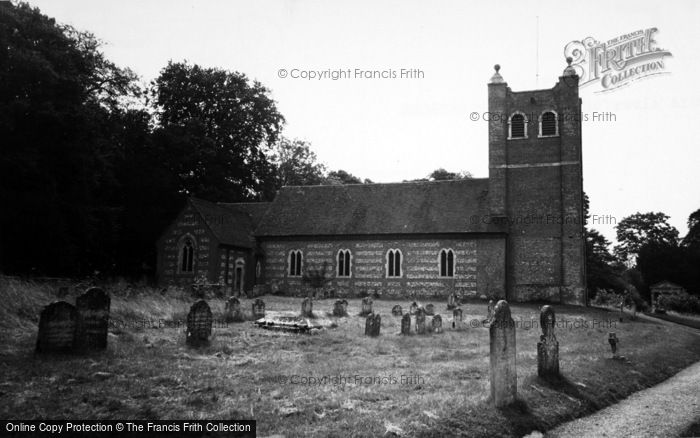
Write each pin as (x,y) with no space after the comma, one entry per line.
(232,311)
(92,321)
(451,301)
(414,307)
(199,322)
(397,310)
(406,324)
(56,328)
(502,351)
(307,307)
(373,324)
(366,306)
(613,341)
(548,347)
(420,321)
(634,311)
(258,308)
(489,311)
(436,324)
(340,308)
(430,309)
(457,318)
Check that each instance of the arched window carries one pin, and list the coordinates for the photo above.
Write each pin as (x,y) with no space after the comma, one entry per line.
(517,126)
(343,264)
(447,263)
(295,261)
(548,124)
(393,263)
(187,255)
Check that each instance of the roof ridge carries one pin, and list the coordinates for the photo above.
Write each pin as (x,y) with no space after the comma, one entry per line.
(393,183)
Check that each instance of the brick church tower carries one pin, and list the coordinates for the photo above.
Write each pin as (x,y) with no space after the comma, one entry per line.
(536,188)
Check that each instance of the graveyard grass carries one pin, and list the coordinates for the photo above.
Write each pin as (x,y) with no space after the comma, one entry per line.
(247,372)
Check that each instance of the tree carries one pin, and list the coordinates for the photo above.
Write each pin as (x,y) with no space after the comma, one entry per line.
(642,228)
(692,239)
(444,175)
(214,130)
(601,272)
(295,164)
(340,177)
(61,101)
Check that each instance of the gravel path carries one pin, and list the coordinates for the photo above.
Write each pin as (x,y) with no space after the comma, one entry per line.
(665,410)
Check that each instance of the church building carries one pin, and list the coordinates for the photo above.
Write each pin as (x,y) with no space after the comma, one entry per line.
(517,234)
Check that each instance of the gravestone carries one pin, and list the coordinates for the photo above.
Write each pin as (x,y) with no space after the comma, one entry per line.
(430,309)
(414,307)
(232,311)
(406,324)
(372,325)
(489,311)
(92,321)
(613,341)
(340,308)
(199,322)
(420,321)
(258,308)
(548,347)
(457,318)
(56,328)
(366,306)
(307,307)
(397,310)
(436,324)
(503,374)
(451,301)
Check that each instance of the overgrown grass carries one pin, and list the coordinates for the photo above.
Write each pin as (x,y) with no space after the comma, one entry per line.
(434,385)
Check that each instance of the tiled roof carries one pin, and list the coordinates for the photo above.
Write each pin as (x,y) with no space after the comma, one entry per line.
(230,226)
(255,210)
(364,209)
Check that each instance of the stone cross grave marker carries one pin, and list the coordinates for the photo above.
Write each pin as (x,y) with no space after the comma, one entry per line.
(199,322)
(366,306)
(436,324)
(548,347)
(503,374)
(430,309)
(414,307)
(340,308)
(258,308)
(56,328)
(420,321)
(451,301)
(373,324)
(92,322)
(406,324)
(232,311)
(307,307)
(397,310)
(613,341)
(457,318)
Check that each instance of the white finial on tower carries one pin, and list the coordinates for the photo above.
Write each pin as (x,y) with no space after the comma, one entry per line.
(497,78)
(569,71)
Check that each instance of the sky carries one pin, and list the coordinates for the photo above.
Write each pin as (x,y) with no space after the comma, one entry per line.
(643,157)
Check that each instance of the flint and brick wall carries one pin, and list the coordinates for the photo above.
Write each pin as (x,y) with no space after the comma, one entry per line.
(479,267)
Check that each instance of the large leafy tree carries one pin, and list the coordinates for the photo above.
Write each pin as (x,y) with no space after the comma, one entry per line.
(214,130)
(643,228)
(60,101)
(295,164)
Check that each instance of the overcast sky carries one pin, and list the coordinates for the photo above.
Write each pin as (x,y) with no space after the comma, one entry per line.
(393,129)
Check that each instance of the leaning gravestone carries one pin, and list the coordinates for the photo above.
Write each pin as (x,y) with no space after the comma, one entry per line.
(489,311)
(199,322)
(451,301)
(414,307)
(366,306)
(340,308)
(92,320)
(258,308)
(436,324)
(232,311)
(56,328)
(430,309)
(457,318)
(372,325)
(502,351)
(307,308)
(420,321)
(396,310)
(406,324)
(548,347)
